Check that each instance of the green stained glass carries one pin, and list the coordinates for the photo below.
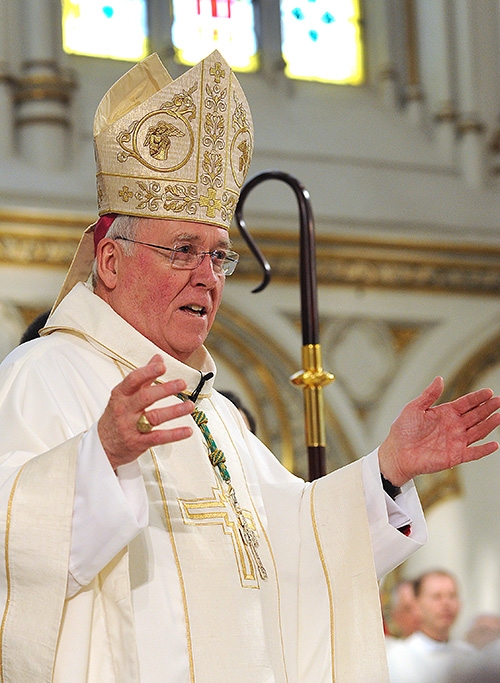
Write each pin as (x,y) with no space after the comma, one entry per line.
(321,40)
(115,29)
(202,26)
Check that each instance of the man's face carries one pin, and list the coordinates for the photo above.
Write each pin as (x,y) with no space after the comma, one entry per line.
(406,615)
(439,605)
(174,308)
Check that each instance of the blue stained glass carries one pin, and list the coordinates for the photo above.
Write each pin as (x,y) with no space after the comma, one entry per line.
(113,30)
(326,44)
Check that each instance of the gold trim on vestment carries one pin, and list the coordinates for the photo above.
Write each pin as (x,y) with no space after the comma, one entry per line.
(7,568)
(264,535)
(216,511)
(327,579)
(168,526)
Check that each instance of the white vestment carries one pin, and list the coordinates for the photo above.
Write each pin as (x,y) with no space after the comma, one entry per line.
(420,659)
(142,576)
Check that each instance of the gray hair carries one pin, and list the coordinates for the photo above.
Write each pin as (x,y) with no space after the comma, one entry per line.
(122,226)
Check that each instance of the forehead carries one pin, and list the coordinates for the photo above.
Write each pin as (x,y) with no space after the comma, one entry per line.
(168,231)
(437,582)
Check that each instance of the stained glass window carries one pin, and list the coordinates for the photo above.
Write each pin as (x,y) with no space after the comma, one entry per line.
(116,29)
(202,26)
(321,40)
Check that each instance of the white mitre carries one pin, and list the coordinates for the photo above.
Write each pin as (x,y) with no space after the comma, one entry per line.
(171,149)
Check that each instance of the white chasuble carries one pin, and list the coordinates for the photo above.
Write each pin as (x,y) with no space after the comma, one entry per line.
(144,576)
(232,616)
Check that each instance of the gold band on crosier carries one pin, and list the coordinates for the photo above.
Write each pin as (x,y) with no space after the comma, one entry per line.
(312,378)
(144,426)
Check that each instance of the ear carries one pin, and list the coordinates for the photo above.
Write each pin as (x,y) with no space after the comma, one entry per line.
(108,262)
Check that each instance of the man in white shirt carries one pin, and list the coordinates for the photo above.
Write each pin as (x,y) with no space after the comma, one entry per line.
(426,655)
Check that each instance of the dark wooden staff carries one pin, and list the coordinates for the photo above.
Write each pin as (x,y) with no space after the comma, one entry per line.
(312,378)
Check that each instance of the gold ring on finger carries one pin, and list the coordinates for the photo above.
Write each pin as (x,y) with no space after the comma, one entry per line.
(144,426)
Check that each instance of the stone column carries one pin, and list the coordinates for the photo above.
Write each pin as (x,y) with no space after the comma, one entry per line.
(470,126)
(6,81)
(43,91)
(414,98)
(437,70)
(272,62)
(379,51)
(393,75)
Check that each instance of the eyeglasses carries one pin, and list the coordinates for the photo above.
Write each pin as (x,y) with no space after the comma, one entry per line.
(185,257)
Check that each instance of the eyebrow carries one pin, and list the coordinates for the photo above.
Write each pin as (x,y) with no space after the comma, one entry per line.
(194,237)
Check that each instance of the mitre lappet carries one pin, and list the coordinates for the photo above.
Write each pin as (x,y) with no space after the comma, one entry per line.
(171,149)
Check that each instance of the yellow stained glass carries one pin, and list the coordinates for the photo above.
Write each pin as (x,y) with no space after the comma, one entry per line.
(321,40)
(114,29)
(201,26)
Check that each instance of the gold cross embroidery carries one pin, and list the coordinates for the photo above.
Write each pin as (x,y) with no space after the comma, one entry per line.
(211,202)
(219,511)
(125,193)
(217,72)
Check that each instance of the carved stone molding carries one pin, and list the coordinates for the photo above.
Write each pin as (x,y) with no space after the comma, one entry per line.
(447,113)
(470,124)
(5,74)
(395,264)
(38,238)
(56,85)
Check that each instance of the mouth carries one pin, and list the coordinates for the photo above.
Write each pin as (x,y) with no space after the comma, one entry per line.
(194,309)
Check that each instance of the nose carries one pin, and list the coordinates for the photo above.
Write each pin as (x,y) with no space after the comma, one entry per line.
(204,273)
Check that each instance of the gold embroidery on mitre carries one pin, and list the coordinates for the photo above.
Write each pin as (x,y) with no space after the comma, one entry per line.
(181,152)
(149,140)
(241,145)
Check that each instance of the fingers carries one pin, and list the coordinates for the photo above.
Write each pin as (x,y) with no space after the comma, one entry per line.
(481,412)
(140,390)
(129,400)
(158,416)
(480,451)
(481,430)
(430,394)
(159,437)
(143,376)
(470,401)
(149,394)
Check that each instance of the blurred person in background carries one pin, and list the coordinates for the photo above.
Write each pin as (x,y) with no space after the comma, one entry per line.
(426,655)
(402,615)
(485,629)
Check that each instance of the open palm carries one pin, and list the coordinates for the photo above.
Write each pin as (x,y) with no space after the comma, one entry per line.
(427,438)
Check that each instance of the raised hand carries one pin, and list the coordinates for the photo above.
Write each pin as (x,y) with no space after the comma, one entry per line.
(129,400)
(426,438)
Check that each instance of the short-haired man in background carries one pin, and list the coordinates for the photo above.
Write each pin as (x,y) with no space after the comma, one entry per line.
(426,656)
